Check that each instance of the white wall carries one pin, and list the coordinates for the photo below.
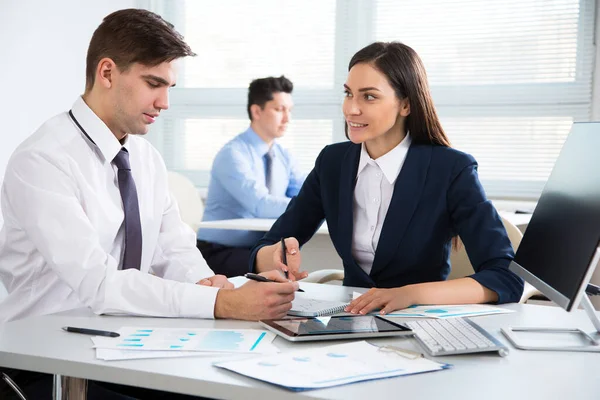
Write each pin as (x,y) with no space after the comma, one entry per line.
(42,67)
(42,62)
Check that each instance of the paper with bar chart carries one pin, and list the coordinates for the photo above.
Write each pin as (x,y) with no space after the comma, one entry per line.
(442,311)
(327,366)
(198,340)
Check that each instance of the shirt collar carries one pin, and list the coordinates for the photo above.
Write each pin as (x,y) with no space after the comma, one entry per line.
(256,142)
(97,131)
(390,163)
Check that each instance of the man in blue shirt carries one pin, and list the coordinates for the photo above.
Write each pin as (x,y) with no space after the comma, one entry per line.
(252,177)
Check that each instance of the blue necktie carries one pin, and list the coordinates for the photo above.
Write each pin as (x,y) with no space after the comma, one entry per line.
(132,257)
(269,171)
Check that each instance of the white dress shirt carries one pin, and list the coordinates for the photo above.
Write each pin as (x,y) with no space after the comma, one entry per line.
(372,196)
(62,241)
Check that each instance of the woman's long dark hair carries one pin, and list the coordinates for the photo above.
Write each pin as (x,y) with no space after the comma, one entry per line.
(405,72)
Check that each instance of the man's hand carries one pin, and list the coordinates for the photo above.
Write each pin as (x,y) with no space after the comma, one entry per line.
(387,300)
(275,275)
(219,281)
(293,257)
(257,300)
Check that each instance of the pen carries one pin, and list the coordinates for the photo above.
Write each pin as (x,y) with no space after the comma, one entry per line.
(260,278)
(90,331)
(284,258)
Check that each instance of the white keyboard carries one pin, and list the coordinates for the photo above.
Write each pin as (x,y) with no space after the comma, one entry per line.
(454,336)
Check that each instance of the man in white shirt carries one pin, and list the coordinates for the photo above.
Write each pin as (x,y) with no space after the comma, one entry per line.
(88,218)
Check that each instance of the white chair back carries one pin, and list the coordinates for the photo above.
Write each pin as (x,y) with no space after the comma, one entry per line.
(188,199)
(3,292)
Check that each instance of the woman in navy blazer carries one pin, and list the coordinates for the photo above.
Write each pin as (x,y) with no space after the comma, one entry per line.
(437,197)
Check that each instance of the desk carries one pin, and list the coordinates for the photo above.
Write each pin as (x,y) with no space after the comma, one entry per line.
(252,224)
(319,252)
(39,344)
(519,220)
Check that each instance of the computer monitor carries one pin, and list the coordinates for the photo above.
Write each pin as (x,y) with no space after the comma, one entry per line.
(559,250)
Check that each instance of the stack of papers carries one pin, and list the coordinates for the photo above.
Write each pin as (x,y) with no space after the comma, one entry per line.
(144,342)
(330,366)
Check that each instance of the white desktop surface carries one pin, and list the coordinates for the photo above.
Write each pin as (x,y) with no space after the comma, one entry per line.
(39,344)
(264,224)
(519,220)
(251,224)
(317,254)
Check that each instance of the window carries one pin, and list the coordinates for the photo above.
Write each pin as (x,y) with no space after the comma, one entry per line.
(508,78)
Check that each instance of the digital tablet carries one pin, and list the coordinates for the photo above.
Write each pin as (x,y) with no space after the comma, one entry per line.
(336,327)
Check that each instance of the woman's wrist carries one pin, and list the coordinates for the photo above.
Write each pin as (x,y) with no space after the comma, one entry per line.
(412,294)
(264,259)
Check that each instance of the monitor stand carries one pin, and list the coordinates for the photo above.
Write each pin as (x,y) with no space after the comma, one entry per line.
(592,344)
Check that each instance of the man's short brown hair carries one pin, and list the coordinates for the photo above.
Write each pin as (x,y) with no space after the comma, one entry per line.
(134,36)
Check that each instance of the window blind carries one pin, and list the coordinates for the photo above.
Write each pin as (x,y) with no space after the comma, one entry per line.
(237,42)
(508,77)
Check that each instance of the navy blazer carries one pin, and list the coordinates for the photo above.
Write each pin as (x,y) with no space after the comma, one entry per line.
(437,196)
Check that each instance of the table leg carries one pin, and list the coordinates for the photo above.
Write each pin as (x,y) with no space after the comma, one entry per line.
(69,388)
(56,388)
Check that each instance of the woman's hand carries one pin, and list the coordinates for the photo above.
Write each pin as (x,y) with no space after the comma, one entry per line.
(275,275)
(387,300)
(293,259)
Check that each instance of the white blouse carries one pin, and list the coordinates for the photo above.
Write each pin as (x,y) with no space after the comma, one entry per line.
(372,196)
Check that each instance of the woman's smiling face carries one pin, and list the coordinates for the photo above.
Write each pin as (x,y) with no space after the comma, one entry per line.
(371,108)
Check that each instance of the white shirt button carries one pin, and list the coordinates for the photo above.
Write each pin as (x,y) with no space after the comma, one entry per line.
(372,228)
(379,175)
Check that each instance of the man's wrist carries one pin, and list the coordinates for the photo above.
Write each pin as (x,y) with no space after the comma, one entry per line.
(224,304)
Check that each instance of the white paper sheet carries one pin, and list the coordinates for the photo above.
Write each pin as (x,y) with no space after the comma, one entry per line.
(329,366)
(118,355)
(447,311)
(450,311)
(181,339)
(238,281)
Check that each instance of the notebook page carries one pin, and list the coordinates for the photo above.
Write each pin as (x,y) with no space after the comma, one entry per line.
(308,307)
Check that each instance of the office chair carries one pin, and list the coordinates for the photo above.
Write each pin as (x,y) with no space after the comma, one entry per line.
(185,193)
(12,386)
(461,266)
(3,292)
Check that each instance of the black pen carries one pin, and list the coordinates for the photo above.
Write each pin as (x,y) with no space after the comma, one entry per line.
(260,278)
(284,258)
(90,331)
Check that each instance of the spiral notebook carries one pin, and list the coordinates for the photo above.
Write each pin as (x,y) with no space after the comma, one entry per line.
(308,307)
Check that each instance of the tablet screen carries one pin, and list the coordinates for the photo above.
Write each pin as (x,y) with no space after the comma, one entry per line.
(335,325)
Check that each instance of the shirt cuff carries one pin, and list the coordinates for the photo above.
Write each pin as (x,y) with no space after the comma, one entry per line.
(198,301)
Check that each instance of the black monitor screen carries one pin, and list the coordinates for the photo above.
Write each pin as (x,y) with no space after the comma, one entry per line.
(564,231)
